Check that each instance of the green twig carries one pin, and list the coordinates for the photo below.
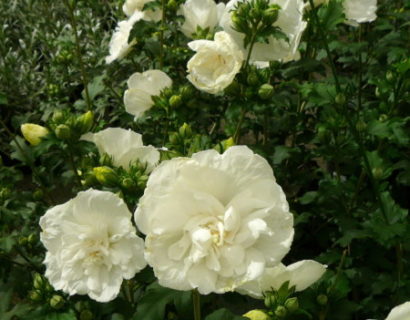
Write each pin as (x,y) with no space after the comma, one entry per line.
(196,300)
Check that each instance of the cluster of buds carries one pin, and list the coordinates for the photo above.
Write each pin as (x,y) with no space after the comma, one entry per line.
(44,292)
(68,127)
(280,303)
(255,17)
(170,99)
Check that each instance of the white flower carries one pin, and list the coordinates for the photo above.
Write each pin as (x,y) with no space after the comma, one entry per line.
(401,312)
(301,274)
(119,46)
(124,146)
(215,63)
(213,221)
(91,245)
(202,13)
(132,6)
(359,11)
(141,88)
(290,21)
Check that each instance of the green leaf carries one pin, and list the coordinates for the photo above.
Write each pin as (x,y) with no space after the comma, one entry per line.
(331,15)
(223,314)
(281,153)
(95,87)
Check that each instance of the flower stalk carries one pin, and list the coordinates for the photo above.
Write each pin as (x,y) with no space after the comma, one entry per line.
(196,300)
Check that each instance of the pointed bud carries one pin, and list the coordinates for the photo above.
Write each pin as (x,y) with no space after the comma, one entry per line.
(340,99)
(270,300)
(57,302)
(185,130)
(257,315)
(106,176)
(35,295)
(281,312)
(33,133)
(270,15)
(175,101)
(186,92)
(58,116)
(292,304)
(38,194)
(38,281)
(266,91)
(85,122)
(127,183)
(322,299)
(63,132)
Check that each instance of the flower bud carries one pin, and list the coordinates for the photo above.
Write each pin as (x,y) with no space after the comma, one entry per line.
(175,101)
(340,99)
(383,117)
(238,22)
(38,281)
(38,194)
(53,89)
(106,176)
(63,132)
(85,122)
(186,92)
(322,299)
(185,130)
(31,239)
(292,304)
(127,183)
(35,295)
(270,300)
(281,312)
(86,315)
(270,15)
(252,78)
(58,116)
(56,302)
(389,76)
(257,315)
(142,182)
(33,133)
(378,173)
(5,193)
(172,5)
(265,91)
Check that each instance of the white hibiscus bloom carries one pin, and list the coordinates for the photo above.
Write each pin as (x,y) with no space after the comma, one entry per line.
(215,64)
(301,274)
(132,6)
(200,13)
(124,146)
(119,46)
(141,88)
(214,222)
(290,21)
(401,312)
(91,245)
(360,11)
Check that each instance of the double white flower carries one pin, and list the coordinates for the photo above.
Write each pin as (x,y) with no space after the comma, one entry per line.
(124,147)
(91,245)
(215,64)
(290,21)
(360,11)
(214,222)
(141,88)
(401,312)
(200,13)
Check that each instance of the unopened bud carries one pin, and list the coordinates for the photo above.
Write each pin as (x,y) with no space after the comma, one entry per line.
(257,315)
(142,182)
(85,122)
(31,238)
(38,194)
(127,183)
(63,132)
(185,130)
(281,312)
(33,133)
(389,76)
(265,91)
(378,173)
(57,302)
(172,5)
(58,116)
(38,281)
(340,99)
(271,14)
(270,300)
(175,101)
(35,295)
(322,299)
(106,176)
(86,315)
(252,79)
(186,92)
(292,304)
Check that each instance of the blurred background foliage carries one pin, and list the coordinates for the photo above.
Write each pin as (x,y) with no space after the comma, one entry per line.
(339,150)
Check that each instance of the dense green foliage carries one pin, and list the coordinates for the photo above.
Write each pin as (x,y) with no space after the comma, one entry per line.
(335,130)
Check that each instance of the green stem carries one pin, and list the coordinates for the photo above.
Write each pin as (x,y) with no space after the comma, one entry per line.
(252,43)
(73,23)
(161,35)
(73,165)
(352,128)
(196,300)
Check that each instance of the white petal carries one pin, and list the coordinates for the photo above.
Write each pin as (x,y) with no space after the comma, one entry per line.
(401,312)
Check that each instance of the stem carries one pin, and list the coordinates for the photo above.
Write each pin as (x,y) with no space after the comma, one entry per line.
(161,36)
(73,165)
(238,127)
(352,128)
(196,300)
(73,23)
(252,43)
(359,94)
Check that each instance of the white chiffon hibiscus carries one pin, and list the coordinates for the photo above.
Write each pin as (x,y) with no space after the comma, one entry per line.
(91,245)
(132,6)
(290,21)
(200,13)
(119,46)
(215,64)
(214,222)
(124,147)
(360,11)
(301,275)
(401,312)
(141,88)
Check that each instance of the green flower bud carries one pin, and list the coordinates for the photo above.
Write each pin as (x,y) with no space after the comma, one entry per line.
(127,183)
(281,312)
(58,116)
(270,15)
(35,295)
(257,315)
(38,194)
(340,99)
(105,159)
(57,302)
(33,133)
(86,315)
(383,118)
(252,78)
(172,5)
(175,101)
(31,239)
(38,281)
(266,91)
(23,241)
(174,138)
(85,122)
(106,176)
(63,132)
(292,304)
(322,299)
(377,92)
(142,182)
(5,193)
(186,92)
(378,173)
(389,76)
(270,300)
(53,89)
(185,130)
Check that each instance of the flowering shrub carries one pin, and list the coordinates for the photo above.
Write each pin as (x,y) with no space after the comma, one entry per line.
(202,159)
